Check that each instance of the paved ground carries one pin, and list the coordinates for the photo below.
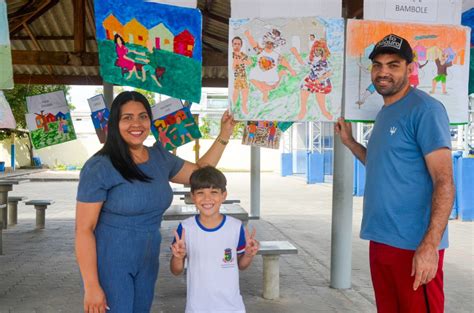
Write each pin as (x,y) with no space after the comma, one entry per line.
(38,272)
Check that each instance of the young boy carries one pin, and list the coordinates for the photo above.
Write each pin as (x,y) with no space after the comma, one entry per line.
(216,246)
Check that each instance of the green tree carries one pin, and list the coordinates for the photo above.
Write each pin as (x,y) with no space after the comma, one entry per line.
(17,100)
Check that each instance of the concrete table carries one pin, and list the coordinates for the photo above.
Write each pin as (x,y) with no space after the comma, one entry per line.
(183,191)
(6,185)
(13,209)
(271,251)
(178,212)
(40,207)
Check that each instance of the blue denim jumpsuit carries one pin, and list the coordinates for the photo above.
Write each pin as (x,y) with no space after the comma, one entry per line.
(128,230)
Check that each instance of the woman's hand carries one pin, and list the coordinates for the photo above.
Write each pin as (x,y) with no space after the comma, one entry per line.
(94,300)
(227,125)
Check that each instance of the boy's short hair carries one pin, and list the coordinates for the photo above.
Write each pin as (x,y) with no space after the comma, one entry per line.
(207,177)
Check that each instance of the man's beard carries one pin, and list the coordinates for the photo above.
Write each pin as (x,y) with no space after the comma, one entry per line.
(393,88)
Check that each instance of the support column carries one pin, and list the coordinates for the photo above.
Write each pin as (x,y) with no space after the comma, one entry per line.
(12,213)
(40,216)
(271,277)
(341,230)
(108,94)
(254,182)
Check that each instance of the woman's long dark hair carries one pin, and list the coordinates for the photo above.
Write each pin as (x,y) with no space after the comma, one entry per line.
(115,147)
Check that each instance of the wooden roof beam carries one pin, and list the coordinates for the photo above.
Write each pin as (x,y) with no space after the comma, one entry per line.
(50,58)
(79,26)
(34,10)
(56,79)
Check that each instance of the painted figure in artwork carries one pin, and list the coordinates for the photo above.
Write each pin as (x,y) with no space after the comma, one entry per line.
(126,63)
(164,139)
(251,132)
(63,127)
(370,90)
(148,64)
(239,63)
(272,129)
(413,79)
(265,75)
(317,80)
(442,64)
(183,132)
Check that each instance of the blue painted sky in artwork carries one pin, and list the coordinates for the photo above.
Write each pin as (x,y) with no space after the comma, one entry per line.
(334,33)
(150,14)
(4,35)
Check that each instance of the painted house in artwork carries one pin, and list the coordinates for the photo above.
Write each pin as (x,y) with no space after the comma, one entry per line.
(60,115)
(112,26)
(160,123)
(184,43)
(161,37)
(170,119)
(39,119)
(135,32)
(50,118)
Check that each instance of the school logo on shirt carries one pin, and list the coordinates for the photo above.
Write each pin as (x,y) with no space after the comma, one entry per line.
(228,255)
(393,130)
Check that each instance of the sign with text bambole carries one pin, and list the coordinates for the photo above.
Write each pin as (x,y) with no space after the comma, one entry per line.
(418,11)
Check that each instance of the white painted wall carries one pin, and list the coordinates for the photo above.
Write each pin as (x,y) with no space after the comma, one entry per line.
(236,156)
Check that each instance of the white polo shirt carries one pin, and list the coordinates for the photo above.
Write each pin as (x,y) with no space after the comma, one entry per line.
(213,271)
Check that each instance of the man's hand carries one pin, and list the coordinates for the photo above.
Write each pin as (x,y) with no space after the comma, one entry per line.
(178,248)
(424,264)
(344,130)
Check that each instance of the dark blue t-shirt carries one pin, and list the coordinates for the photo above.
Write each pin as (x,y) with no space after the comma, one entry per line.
(398,191)
(134,205)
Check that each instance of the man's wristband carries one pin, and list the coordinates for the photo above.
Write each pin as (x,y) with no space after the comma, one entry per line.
(222,141)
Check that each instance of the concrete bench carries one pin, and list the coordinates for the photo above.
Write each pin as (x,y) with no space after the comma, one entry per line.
(271,251)
(2,207)
(13,208)
(227,201)
(40,206)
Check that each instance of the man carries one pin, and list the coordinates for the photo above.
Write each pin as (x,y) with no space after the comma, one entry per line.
(409,186)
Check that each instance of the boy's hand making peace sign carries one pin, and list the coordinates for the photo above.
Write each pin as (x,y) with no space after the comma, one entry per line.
(252,245)
(178,248)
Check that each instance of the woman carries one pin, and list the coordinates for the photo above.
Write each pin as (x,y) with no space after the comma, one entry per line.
(123,192)
(123,61)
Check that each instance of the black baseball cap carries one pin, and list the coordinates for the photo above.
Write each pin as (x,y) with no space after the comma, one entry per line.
(393,44)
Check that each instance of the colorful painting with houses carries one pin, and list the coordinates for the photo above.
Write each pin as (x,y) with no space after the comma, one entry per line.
(175,129)
(151,46)
(264,134)
(49,119)
(286,69)
(6,68)
(100,116)
(440,66)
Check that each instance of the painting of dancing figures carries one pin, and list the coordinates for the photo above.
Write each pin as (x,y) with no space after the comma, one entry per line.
(286,69)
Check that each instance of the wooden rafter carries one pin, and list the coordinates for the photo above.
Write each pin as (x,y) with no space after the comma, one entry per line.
(57,58)
(215,37)
(57,79)
(36,44)
(28,13)
(46,38)
(90,15)
(79,26)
